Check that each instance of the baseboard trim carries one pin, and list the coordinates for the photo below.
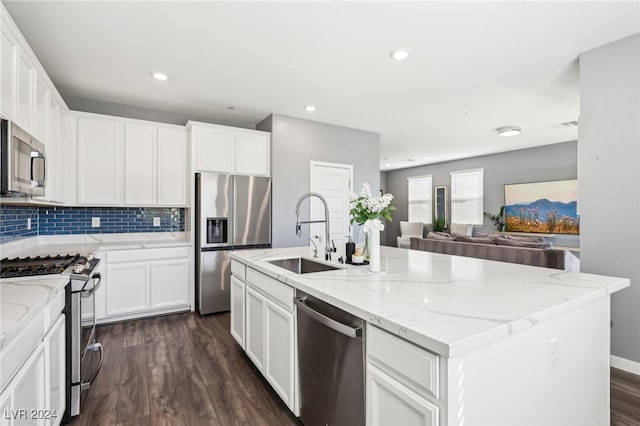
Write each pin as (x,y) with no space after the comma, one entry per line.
(625,364)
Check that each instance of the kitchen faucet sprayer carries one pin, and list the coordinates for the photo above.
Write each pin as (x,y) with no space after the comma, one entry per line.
(327,249)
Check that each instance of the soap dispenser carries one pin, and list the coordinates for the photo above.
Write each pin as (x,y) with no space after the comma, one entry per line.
(350,248)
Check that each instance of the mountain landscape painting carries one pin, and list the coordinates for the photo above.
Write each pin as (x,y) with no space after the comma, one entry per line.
(542,207)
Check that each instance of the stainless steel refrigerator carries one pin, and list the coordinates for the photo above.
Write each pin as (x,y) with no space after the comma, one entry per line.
(232,213)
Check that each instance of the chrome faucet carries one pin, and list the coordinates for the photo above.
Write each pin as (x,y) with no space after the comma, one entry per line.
(327,249)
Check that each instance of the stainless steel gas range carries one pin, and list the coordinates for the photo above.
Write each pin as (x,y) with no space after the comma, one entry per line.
(84,354)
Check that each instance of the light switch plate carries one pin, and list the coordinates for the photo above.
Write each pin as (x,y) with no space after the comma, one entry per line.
(156,221)
(95,222)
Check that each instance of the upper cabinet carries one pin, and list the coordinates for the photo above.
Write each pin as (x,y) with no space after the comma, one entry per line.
(8,67)
(230,150)
(130,162)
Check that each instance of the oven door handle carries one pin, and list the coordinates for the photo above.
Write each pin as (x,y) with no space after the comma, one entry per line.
(89,293)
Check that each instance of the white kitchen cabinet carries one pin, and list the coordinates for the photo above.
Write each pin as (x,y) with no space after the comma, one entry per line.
(172,167)
(8,68)
(100,161)
(280,351)
(129,287)
(255,327)
(25,95)
(227,149)
(237,310)
(214,148)
(40,109)
(6,403)
(28,388)
(140,164)
(252,153)
(169,283)
(391,403)
(55,374)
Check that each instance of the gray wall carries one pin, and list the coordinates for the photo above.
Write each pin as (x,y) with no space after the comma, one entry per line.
(608,164)
(549,162)
(140,113)
(294,143)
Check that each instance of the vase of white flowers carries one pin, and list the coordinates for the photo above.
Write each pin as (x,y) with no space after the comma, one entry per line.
(369,212)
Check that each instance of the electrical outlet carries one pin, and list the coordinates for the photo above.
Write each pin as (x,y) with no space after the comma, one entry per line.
(28,223)
(553,354)
(156,221)
(95,222)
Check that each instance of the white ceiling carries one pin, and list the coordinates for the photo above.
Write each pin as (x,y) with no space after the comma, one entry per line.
(505,62)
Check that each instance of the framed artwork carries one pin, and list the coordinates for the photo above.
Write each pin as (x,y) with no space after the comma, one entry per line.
(440,200)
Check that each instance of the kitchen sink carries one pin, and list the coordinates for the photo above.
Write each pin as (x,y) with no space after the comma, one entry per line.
(302,265)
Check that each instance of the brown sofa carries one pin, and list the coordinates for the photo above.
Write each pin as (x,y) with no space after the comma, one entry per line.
(547,258)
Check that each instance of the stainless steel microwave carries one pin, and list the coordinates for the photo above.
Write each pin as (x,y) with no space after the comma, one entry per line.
(24,164)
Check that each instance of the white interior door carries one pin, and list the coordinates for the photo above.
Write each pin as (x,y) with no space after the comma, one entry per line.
(335,183)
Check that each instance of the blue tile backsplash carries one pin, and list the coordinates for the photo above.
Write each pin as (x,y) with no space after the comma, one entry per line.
(51,220)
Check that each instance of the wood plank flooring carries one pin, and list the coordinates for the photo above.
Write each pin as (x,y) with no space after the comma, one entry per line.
(187,370)
(175,370)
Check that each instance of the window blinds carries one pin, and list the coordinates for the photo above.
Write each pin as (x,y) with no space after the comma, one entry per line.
(420,199)
(467,196)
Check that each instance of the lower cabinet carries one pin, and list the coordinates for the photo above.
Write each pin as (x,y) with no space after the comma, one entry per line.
(36,394)
(391,403)
(138,283)
(237,310)
(263,322)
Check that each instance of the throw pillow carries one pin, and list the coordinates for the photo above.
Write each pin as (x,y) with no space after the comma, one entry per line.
(439,236)
(476,240)
(517,243)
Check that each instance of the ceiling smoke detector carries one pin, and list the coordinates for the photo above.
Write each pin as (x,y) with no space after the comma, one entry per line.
(565,125)
(509,130)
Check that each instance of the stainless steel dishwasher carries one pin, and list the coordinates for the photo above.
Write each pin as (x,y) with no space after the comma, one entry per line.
(331,364)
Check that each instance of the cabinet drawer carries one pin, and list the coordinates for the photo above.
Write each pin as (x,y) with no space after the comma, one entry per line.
(273,289)
(238,269)
(409,364)
(116,256)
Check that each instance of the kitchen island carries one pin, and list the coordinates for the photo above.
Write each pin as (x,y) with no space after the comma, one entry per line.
(505,343)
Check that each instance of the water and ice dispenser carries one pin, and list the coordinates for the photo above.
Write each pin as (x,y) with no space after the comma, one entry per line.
(217,230)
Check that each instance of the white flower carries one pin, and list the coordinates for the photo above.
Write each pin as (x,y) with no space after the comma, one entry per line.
(366,190)
(353,197)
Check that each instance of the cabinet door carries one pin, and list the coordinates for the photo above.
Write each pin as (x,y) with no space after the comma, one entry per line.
(128,288)
(101,293)
(6,405)
(8,70)
(140,164)
(237,310)
(391,403)
(252,153)
(215,150)
(280,348)
(29,389)
(172,167)
(254,345)
(55,362)
(169,283)
(54,182)
(26,82)
(100,159)
(40,109)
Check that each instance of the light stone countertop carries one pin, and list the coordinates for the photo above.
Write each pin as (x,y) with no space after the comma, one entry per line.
(450,305)
(86,244)
(22,298)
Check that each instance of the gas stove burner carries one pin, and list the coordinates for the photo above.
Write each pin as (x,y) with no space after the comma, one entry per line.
(39,265)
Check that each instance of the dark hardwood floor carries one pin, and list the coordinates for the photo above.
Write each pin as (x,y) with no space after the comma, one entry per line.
(178,370)
(187,370)
(625,398)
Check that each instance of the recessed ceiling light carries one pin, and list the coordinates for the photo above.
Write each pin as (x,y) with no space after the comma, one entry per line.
(231,108)
(387,165)
(399,55)
(426,157)
(509,130)
(160,76)
(310,108)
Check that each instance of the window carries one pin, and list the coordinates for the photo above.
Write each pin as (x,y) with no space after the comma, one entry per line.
(467,196)
(420,191)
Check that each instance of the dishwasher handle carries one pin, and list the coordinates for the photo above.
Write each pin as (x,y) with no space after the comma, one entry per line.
(347,330)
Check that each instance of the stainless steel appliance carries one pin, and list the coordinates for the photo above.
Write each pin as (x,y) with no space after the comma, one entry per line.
(23,162)
(232,212)
(331,364)
(84,355)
